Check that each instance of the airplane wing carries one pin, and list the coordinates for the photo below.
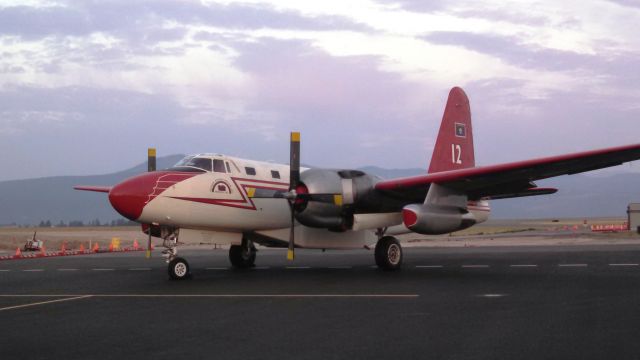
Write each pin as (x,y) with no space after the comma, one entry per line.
(103,189)
(511,179)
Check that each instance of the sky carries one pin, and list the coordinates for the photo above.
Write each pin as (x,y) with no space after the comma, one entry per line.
(87,86)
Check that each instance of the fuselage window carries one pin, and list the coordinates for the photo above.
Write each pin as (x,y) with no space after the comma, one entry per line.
(275,174)
(228,167)
(250,170)
(218,166)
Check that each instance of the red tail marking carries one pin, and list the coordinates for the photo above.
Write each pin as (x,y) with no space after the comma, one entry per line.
(454,146)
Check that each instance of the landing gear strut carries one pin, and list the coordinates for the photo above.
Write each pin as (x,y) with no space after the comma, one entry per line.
(243,256)
(388,253)
(178,267)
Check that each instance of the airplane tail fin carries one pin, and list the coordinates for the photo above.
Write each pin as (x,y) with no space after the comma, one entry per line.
(454,146)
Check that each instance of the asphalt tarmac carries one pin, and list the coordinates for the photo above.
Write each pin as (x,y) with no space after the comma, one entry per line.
(446,303)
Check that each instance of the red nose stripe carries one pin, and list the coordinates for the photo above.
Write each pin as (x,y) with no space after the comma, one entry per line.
(130,196)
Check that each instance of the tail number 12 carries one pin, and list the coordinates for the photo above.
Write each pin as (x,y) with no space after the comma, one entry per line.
(456,154)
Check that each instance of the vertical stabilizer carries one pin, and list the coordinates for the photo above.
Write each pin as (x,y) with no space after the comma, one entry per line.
(454,146)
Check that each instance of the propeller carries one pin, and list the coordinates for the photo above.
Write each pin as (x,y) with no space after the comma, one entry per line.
(294,181)
(297,195)
(151,166)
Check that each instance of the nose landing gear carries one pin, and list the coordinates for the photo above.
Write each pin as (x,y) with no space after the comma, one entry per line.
(178,267)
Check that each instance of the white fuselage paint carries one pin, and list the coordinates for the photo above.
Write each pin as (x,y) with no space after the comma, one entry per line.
(215,206)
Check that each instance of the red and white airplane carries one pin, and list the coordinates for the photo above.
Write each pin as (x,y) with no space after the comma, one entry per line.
(228,200)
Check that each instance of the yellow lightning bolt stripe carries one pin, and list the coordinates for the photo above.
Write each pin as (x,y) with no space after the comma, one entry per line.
(251,192)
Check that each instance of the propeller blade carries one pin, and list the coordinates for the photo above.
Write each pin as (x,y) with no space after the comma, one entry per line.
(149,244)
(256,193)
(151,166)
(294,180)
(335,199)
(151,159)
(294,163)
(291,250)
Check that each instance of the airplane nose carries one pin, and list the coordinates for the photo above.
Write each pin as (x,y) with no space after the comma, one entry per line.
(130,196)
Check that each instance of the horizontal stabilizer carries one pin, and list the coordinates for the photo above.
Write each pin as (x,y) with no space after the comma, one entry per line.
(102,189)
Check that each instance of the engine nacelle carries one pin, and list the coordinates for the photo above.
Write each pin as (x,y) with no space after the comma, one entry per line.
(436,220)
(352,185)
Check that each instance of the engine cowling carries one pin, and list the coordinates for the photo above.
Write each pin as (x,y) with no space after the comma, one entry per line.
(352,185)
(436,220)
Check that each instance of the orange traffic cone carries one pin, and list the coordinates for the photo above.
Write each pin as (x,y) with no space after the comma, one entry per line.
(63,249)
(43,251)
(96,247)
(111,247)
(81,247)
(135,244)
(18,252)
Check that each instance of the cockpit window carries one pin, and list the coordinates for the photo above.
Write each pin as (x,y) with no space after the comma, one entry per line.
(194,162)
(218,166)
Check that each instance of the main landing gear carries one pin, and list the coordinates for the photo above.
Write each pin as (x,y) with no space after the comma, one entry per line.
(243,256)
(388,253)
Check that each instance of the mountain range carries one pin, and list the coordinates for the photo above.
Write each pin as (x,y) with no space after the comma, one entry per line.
(30,201)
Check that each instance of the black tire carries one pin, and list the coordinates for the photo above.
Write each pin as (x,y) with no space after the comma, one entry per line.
(240,258)
(388,253)
(179,269)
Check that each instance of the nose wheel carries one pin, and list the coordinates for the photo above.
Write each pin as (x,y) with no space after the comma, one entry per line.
(388,253)
(179,269)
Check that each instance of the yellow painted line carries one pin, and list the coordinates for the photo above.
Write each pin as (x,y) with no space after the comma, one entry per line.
(44,302)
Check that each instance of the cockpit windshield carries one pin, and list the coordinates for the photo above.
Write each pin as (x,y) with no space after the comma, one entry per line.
(193,162)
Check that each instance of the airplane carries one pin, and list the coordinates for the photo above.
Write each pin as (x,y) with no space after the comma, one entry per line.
(241,202)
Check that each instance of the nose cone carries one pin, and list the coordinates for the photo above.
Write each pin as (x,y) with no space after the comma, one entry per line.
(130,196)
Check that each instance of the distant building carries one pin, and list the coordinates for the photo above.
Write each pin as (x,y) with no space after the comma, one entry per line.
(634,216)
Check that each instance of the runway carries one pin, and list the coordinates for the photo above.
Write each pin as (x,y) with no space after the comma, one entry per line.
(577,302)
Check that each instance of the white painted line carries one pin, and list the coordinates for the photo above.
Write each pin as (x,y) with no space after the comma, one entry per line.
(624,264)
(67,269)
(44,302)
(4,270)
(492,295)
(475,266)
(103,269)
(572,265)
(140,269)
(217,268)
(77,296)
(32,270)
(297,267)
(339,267)
(429,266)
(523,265)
